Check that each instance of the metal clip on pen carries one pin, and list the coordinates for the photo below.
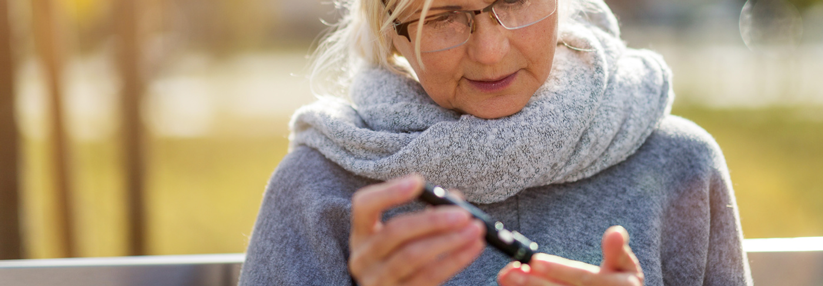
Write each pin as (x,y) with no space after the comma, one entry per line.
(512,243)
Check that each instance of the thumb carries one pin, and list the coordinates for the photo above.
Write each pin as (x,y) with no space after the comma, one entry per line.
(617,255)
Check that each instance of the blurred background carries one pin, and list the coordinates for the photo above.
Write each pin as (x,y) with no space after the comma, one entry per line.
(134,127)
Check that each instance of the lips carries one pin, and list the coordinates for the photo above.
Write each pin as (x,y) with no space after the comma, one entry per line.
(493,85)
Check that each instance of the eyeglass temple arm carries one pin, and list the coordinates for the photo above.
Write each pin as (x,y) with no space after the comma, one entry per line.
(402,29)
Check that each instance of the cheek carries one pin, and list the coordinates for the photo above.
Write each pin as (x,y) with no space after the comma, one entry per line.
(441,76)
(440,66)
(538,47)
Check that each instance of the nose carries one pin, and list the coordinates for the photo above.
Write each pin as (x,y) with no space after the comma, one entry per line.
(489,42)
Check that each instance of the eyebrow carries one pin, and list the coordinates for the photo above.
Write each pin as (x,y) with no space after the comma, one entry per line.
(452,7)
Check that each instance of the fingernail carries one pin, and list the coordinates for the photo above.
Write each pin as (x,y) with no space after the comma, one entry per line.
(517,278)
(625,234)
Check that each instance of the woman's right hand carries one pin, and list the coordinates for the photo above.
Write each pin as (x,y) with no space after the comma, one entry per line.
(422,248)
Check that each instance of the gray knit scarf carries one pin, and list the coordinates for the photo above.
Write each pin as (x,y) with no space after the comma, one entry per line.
(595,110)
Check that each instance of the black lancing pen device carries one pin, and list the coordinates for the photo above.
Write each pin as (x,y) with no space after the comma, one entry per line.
(512,243)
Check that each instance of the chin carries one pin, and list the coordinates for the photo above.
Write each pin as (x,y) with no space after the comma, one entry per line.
(494,113)
(497,107)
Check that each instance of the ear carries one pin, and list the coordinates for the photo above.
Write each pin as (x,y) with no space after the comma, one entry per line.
(394,50)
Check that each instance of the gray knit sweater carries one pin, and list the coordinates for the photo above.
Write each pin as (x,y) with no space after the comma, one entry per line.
(673,195)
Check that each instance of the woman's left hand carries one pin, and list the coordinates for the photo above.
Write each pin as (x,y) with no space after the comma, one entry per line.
(619,267)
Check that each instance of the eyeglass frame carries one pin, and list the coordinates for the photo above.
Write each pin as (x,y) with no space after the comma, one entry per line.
(402,29)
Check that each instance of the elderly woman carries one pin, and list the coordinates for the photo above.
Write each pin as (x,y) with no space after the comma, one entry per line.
(538,113)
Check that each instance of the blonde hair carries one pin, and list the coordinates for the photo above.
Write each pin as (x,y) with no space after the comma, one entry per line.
(362,38)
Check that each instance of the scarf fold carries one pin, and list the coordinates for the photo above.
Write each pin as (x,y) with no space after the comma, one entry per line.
(595,110)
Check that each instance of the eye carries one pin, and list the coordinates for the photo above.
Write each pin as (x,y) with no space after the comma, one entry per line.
(440,18)
(514,2)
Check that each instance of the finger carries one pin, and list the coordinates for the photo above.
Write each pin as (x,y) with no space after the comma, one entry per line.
(517,274)
(623,279)
(617,255)
(369,203)
(508,277)
(439,271)
(401,229)
(562,270)
(416,255)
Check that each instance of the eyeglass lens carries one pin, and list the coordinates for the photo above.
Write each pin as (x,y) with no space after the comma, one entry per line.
(444,31)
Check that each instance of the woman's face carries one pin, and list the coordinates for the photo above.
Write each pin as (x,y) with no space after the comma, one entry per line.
(493,74)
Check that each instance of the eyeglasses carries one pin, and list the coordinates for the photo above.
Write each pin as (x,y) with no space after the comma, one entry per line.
(451,29)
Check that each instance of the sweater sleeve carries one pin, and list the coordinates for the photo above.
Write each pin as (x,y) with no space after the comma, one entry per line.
(726,262)
(301,233)
(702,238)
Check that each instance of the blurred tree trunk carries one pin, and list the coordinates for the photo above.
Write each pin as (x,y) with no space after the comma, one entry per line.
(131,90)
(48,39)
(10,246)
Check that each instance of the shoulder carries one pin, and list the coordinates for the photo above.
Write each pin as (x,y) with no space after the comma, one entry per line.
(701,219)
(688,169)
(303,223)
(682,131)
(309,186)
(307,182)
(681,162)
(681,145)
(305,172)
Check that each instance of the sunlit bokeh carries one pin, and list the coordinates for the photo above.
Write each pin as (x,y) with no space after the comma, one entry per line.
(222,78)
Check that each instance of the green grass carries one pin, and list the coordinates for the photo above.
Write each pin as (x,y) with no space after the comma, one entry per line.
(203,193)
